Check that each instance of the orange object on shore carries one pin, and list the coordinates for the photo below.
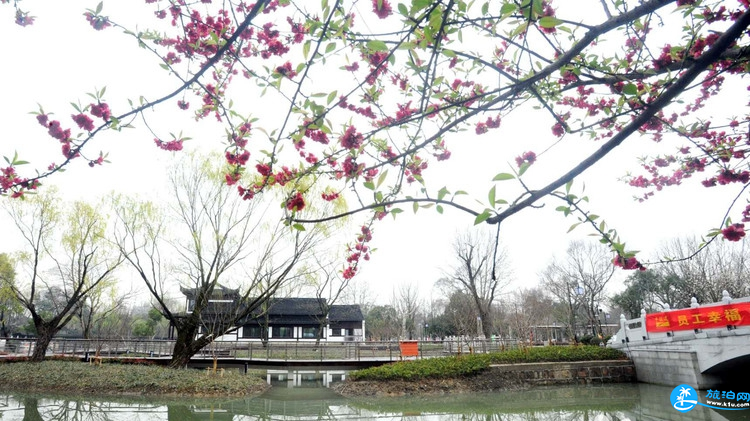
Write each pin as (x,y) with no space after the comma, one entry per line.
(409,348)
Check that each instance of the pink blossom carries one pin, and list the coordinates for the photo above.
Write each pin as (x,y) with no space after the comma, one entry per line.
(101,110)
(296,203)
(97,22)
(83,121)
(382,8)
(734,232)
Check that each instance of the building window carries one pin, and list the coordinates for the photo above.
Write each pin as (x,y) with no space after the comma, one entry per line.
(282,332)
(250,331)
(310,332)
(336,332)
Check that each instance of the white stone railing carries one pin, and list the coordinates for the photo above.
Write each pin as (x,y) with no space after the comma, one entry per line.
(634,330)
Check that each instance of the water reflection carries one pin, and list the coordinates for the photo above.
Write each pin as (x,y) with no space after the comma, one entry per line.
(295,378)
(604,403)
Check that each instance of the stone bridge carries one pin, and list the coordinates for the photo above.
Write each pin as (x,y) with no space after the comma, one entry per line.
(703,346)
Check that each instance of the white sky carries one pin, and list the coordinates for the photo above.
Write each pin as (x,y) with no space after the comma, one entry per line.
(60,58)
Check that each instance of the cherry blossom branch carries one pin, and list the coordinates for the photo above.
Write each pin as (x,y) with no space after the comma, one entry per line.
(385,205)
(701,64)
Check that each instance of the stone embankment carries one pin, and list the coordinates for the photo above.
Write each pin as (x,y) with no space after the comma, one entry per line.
(501,377)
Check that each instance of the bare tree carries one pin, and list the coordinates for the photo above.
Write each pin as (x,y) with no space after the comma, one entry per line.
(328,286)
(578,281)
(529,310)
(65,252)
(481,272)
(722,266)
(461,314)
(406,302)
(382,323)
(359,292)
(10,308)
(98,305)
(213,233)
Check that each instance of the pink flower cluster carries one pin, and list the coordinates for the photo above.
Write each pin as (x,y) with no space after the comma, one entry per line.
(172,145)
(97,22)
(734,232)
(526,158)
(382,8)
(23,18)
(358,252)
(490,123)
(9,181)
(628,263)
(351,139)
(296,202)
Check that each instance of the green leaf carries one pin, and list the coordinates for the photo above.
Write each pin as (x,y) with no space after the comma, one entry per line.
(439,209)
(519,30)
(376,45)
(415,207)
(525,166)
(306,49)
(568,185)
(99,7)
(417,5)
(630,89)
(549,22)
(330,47)
(442,193)
(485,8)
(503,176)
(574,226)
(508,8)
(491,196)
(482,217)
(331,96)
(403,10)
(299,227)
(369,185)
(381,178)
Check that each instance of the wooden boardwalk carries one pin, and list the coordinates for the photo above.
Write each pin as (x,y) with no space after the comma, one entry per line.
(274,353)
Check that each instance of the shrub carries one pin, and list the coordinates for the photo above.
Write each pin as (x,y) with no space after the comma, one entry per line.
(468,365)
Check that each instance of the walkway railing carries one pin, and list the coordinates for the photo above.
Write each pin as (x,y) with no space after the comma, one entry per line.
(272,350)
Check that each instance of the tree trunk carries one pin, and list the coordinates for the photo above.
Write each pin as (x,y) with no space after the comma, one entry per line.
(31,409)
(3,328)
(182,357)
(486,323)
(44,337)
(185,347)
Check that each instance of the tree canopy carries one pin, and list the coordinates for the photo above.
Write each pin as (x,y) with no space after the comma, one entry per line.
(363,99)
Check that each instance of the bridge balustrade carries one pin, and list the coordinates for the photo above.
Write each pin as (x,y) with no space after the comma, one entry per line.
(635,330)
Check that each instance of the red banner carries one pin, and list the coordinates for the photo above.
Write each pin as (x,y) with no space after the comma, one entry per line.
(699,318)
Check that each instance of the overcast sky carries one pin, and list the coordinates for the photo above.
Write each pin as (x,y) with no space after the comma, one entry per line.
(60,58)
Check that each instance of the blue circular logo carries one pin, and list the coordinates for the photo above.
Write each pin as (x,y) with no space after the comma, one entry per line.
(684,398)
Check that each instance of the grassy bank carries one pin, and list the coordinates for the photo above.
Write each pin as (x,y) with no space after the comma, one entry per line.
(117,379)
(467,365)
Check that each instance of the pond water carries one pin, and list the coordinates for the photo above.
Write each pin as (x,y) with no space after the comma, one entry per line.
(304,395)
